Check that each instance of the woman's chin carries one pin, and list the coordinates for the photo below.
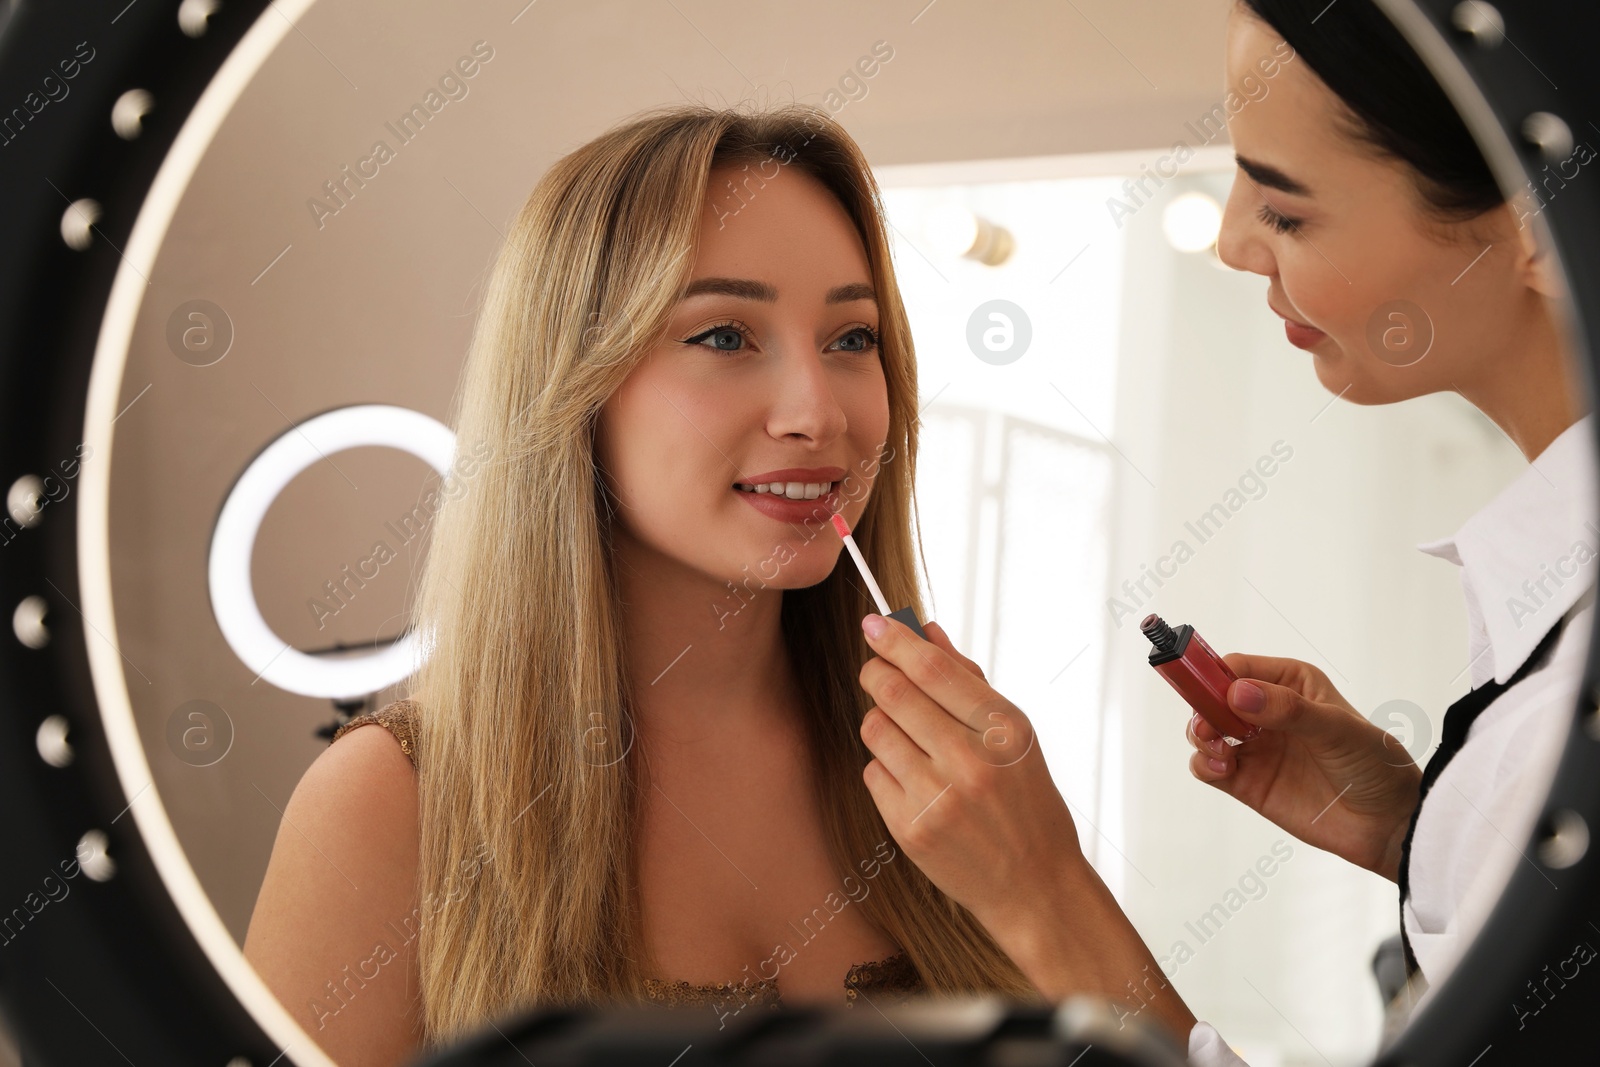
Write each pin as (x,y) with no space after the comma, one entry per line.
(788,563)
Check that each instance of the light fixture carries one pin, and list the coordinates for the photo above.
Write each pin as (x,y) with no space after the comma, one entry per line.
(233,598)
(955,231)
(1191,222)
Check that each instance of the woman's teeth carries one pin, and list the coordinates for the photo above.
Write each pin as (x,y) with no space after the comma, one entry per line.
(791,490)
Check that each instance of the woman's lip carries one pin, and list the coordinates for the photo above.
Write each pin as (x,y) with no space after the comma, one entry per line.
(785,510)
(795,474)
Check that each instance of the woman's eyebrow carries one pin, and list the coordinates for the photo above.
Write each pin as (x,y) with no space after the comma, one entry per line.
(1271,177)
(749,289)
(844,294)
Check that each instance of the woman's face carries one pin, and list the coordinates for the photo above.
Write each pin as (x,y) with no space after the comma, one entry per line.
(769,374)
(1390,303)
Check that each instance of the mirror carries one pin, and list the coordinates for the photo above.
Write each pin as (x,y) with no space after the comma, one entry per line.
(1113,424)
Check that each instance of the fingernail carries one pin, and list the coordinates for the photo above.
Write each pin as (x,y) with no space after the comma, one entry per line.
(874,626)
(1247,697)
(1219,746)
(1217,765)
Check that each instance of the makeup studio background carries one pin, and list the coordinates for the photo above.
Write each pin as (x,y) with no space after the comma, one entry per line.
(1139,396)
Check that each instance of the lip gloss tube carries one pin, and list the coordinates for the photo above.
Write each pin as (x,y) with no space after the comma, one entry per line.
(1200,676)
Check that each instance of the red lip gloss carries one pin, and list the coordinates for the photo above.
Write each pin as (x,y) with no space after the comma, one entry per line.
(1194,669)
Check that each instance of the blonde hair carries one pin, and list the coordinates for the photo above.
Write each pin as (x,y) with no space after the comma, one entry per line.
(517,599)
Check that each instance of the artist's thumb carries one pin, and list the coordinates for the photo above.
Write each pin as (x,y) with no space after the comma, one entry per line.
(1276,707)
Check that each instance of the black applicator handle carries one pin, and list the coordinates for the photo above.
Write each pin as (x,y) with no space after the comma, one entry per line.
(909,617)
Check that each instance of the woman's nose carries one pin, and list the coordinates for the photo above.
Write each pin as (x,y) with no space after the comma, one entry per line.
(804,400)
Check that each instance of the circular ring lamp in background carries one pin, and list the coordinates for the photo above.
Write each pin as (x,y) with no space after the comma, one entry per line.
(138,966)
(1523,79)
(233,542)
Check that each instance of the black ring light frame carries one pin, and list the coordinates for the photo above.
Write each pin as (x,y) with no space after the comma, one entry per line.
(141,969)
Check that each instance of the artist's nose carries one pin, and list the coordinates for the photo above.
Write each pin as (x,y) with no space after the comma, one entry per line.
(1240,243)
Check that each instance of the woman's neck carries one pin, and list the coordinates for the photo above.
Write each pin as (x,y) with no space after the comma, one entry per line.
(701,660)
(1533,393)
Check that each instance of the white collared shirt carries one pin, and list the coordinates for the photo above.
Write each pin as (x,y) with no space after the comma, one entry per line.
(1528,558)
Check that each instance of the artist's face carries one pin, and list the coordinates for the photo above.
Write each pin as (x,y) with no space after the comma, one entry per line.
(771,364)
(1390,303)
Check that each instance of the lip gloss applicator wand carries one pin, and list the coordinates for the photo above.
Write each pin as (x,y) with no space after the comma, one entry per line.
(906,614)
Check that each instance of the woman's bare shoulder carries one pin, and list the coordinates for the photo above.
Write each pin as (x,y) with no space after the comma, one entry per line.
(367,772)
(333,931)
(362,789)
(398,719)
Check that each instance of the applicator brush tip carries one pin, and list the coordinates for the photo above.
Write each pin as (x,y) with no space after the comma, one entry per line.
(839,524)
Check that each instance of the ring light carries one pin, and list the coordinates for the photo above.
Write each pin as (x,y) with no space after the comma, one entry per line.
(233,542)
(91,185)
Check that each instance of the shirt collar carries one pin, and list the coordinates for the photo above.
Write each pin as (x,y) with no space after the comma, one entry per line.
(1529,554)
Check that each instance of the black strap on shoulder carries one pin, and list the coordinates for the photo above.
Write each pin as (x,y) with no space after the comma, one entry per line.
(1458,721)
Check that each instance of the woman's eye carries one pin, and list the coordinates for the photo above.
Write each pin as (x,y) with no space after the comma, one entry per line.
(860,339)
(722,338)
(1279,222)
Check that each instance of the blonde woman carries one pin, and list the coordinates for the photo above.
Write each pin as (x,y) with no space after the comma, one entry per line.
(643,760)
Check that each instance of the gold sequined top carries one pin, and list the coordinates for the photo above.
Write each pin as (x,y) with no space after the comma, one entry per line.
(398,718)
(891,979)
(887,981)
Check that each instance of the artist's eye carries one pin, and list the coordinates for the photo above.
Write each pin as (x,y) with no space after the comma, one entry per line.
(1277,220)
(724,337)
(859,339)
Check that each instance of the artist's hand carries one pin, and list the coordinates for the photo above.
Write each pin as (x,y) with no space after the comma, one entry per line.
(964,789)
(1319,768)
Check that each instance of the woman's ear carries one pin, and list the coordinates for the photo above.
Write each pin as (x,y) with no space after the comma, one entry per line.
(1535,265)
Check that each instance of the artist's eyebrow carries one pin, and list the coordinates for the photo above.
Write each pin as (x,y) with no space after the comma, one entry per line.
(749,289)
(1271,177)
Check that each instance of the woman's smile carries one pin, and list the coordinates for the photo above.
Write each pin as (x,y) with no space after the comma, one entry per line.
(794,493)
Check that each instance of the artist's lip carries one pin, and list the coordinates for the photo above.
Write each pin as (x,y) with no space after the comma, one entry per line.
(1302,336)
(1298,333)
(795,474)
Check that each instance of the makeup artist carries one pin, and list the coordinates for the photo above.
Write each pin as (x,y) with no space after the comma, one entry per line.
(1358,188)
